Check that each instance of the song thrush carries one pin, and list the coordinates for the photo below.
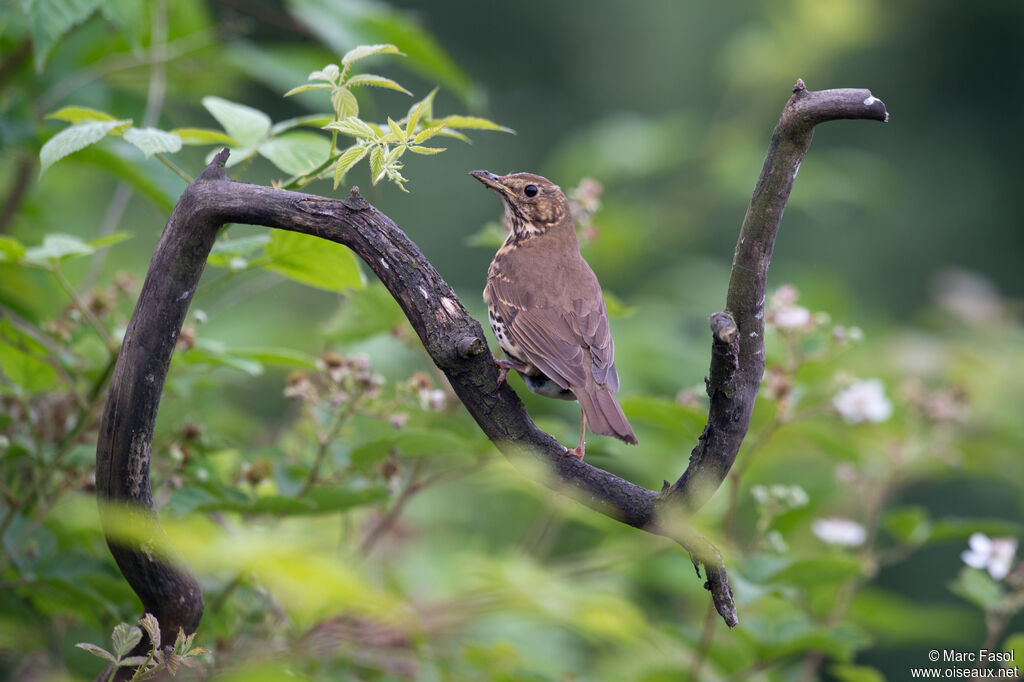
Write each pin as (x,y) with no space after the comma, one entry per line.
(546,309)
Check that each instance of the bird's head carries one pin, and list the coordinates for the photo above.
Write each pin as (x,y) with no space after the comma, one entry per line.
(533,204)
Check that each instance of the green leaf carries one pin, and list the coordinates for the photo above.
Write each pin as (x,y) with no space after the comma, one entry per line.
(909,525)
(977,587)
(11,250)
(426,150)
(245,124)
(366,313)
(97,651)
(428,133)
(307,87)
(329,73)
(313,261)
(396,130)
(473,123)
(210,352)
(492,235)
(74,138)
(297,152)
(78,114)
(349,158)
(49,20)
(408,443)
(377,164)
(197,137)
(375,81)
(151,625)
(310,121)
(421,111)
(109,240)
(153,141)
(364,51)
(344,103)
(124,638)
(616,307)
(318,500)
(354,127)
(57,248)
(283,357)
(226,250)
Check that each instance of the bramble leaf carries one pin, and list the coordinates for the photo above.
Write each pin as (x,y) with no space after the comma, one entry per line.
(344,103)
(354,127)
(297,152)
(307,87)
(204,136)
(124,638)
(97,651)
(75,138)
(364,51)
(79,114)
(473,123)
(346,161)
(246,124)
(375,81)
(153,141)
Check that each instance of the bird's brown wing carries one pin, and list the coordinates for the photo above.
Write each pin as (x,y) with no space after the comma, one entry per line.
(557,341)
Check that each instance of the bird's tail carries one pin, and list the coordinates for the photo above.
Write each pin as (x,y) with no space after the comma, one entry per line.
(604,416)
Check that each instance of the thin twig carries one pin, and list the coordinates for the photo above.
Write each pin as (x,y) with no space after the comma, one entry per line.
(412,487)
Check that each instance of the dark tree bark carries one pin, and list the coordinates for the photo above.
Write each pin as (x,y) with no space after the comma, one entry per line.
(455,342)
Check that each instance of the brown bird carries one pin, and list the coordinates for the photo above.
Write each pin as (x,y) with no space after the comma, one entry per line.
(546,309)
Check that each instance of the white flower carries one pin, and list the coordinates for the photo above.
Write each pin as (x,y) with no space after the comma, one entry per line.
(783,496)
(992,554)
(791,317)
(863,401)
(842,532)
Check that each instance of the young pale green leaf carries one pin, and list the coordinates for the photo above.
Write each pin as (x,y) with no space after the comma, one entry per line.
(426,150)
(393,156)
(151,625)
(428,133)
(247,125)
(307,87)
(329,73)
(377,164)
(313,261)
(97,651)
(79,114)
(344,103)
(202,136)
(473,123)
(397,130)
(449,132)
(364,51)
(422,110)
(75,138)
(153,141)
(354,127)
(11,250)
(57,248)
(297,152)
(134,661)
(124,638)
(348,158)
(375,81)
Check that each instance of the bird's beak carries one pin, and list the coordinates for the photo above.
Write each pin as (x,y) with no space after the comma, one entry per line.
(492,181)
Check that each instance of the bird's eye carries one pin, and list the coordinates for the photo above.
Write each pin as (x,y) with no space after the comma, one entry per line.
(530,190)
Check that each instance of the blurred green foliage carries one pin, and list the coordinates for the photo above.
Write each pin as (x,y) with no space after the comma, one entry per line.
(346,518)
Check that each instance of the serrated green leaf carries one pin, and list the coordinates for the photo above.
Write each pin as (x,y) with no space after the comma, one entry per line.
(354,127)
(329,73)
(225,250)
(396,130)
(75,138)
(202,136)
(297,152)
(473,123)
(428,133)
(57,248)
(393,156)
(377,164)
(344,103)
(306,88)
(450,132)
(124,638)
(426,150)
(364,51)
(375,81)
(49,20)
(245,124)
(97,651)
(153,141)
(422,110)
(151,625)
(313,261)
(349,158)
(76,114)
(24,360)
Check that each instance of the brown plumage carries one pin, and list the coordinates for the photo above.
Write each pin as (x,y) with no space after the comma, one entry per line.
(546,309)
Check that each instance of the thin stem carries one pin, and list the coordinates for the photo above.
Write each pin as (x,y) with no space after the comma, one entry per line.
(706,636)
(324,441)
(170,164)
(83,307)
(385,524)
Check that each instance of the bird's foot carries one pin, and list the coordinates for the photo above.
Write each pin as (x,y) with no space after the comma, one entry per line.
(576,452)
(503,367)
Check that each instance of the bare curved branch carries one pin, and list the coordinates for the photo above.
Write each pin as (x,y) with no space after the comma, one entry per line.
(455,342)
